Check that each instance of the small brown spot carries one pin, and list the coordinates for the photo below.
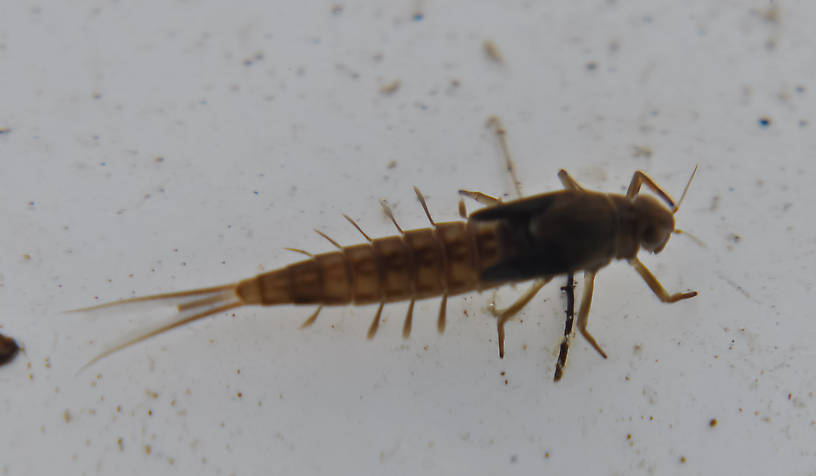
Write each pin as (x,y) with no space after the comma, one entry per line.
(239,394)
(151,393)
(149,412)
(121,443)
(642,151)
(66,415)
(390,88)
(491,50)
(629,436)
(502,373)
(148,449)
(546,455)
(712,423)
(392,164)
(26,257)
(682,459)
(8,349)
(790,396)
(506,381)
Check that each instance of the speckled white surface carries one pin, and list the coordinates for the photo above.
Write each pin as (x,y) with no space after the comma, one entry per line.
(168,145)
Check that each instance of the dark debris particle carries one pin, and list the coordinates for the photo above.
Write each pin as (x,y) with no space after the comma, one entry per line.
(5,130)
(712,423)
(764,122)
(8,349)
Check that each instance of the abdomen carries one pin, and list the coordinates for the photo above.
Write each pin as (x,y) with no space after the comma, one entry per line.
(447,259)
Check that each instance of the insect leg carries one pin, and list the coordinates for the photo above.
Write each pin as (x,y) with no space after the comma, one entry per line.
(568,182)
(561,363)
(303,252)
(357,226)
(639,178)
(495,122)
(583,312)
(655,285)
(375,324)
(424,205)
(517,306)
(311,320)
(328,238)
(406,328)
(480,197)
(390,215)
(440,323)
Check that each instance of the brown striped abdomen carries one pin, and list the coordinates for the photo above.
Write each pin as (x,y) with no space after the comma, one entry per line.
(447,259)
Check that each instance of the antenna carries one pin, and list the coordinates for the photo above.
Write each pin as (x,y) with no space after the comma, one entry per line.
(677,206)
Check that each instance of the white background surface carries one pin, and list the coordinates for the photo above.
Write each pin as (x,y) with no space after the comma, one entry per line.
(269,121)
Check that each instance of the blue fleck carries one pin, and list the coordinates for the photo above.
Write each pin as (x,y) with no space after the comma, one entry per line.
(764,122)
(103,164)
(418,16)
(255,192)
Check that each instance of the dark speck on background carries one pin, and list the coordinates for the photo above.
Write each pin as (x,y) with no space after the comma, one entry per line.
(419,16)
(257,57)
(8,349)
(764,122)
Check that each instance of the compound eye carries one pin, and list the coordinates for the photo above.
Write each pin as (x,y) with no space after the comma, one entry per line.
(649,236)
(653,238)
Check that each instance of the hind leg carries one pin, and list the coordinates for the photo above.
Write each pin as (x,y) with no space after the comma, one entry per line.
(505,315)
